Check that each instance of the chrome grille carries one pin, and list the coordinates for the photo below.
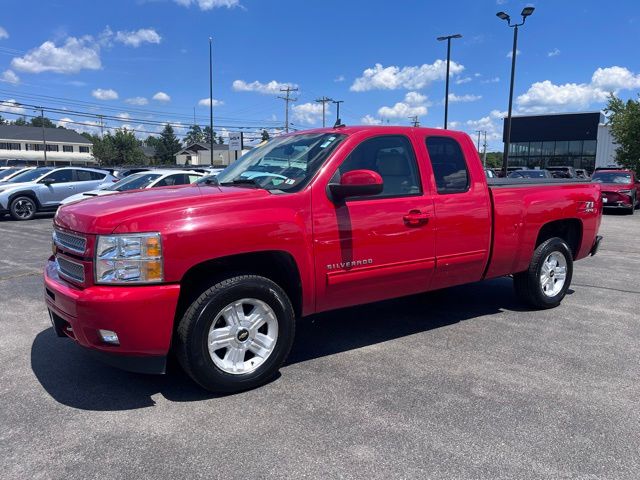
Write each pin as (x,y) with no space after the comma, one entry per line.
(73,243)
(69,269)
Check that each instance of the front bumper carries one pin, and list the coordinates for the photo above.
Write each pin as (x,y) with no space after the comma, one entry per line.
(141,316)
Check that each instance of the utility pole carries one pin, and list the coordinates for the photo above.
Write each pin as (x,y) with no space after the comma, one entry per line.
(478,144)
(211,96)
(287,98)
(323,101)
(484,150)
(44,139)
(101,127)
(337,103)
(415,121)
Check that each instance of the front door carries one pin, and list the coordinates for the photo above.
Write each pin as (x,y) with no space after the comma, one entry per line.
(378,247)
(52,194)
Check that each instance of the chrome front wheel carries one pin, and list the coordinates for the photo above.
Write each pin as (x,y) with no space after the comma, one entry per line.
(242,336)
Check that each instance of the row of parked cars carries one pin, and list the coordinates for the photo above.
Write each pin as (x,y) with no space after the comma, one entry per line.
(620,188)
(25,191)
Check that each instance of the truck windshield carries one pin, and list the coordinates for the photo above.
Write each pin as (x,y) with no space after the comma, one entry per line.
(610,177)
(285,163)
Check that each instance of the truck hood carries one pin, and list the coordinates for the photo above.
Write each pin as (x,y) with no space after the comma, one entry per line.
(103,214)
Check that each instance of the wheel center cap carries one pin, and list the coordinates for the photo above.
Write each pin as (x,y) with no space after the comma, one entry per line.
(242,335)
(552,273)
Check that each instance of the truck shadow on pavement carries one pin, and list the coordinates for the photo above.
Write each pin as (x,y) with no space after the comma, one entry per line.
(74,378)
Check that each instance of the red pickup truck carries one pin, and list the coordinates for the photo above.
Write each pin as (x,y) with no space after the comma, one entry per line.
(218,272)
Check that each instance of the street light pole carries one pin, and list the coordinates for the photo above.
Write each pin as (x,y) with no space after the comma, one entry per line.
(446,91)
(514,52)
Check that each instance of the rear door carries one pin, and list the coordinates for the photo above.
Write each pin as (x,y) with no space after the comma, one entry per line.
(462,208)
(377,247)
(85,180)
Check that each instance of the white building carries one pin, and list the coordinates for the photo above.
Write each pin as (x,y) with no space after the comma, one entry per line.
(200,154)
(26,144)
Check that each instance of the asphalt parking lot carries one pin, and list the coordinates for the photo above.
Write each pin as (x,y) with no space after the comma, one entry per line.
(462,383)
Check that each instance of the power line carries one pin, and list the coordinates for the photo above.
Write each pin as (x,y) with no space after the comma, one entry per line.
(415,120)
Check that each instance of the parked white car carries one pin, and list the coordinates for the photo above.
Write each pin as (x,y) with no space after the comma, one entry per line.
(136,181)
(7,173)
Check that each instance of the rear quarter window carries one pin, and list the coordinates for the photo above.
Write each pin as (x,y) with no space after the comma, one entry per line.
(449,165)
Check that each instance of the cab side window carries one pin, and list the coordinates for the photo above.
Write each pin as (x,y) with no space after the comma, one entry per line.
(449,165)
(391,156)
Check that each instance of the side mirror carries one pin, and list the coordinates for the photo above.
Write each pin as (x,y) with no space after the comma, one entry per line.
(47,181)
(356,183)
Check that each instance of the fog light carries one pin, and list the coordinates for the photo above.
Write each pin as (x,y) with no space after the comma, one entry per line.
(108,336)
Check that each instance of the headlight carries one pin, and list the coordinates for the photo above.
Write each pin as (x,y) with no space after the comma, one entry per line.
(626,192)
(135,258)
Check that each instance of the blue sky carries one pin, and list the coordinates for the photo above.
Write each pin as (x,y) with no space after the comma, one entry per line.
(147,60)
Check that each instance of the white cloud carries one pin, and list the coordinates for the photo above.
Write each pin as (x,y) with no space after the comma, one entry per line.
(546,96)
(161,97)
(11,106)
(138,37)
(209,4)
(413,104)
(491,80)
(339,78)
(510,53)
(271,88)
(410,78)
(3,33)
(73,55)
(370,120)
(137,101)
(9,76)
(462,80)
(453,98)
(124,116)
(105,94)
(492,124)
(553,53)
(83,125)
(309,113)
(501,2)
(205,102)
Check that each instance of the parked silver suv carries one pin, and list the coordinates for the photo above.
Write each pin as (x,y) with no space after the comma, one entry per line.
(42,189)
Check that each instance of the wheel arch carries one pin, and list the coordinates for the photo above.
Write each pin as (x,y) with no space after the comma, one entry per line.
(278,266)
(568,229)
(24,193)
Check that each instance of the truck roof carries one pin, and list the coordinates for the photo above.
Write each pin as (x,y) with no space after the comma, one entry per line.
(351,129)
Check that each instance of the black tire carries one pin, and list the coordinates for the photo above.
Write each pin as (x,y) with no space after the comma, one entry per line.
(528,285)
(632,210)
(23,208)
(191,345)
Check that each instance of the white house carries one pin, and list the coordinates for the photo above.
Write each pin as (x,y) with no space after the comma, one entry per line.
(27,144)
(200,154)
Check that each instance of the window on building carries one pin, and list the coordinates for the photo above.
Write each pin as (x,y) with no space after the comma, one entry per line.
(67,148)
(589,147)
(562,148)
(575,147)
(548,148)
(35,147)
(10,146)
(83,149)
(535,148)
(449,165)
(52,148)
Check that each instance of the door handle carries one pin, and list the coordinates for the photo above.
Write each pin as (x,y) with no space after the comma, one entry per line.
(415,218)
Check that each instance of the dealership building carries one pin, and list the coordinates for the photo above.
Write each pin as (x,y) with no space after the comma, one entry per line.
(579,140)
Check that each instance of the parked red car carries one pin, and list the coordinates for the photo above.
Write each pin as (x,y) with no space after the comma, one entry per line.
(219,271)
(620,188)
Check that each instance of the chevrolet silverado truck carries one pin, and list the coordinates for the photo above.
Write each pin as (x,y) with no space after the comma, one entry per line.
(219,271)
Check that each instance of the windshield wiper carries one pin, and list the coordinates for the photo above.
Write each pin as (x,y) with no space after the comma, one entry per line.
(242,181)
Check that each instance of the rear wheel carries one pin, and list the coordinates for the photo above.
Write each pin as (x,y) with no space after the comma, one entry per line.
(22,208)
(236,335)
(548,278)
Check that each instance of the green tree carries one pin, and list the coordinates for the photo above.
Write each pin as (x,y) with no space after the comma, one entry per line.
(194,135)
(220,140)
(206,132)
(494,159)
(38,121)
(20,121)
(265,135)
(624,121)
(120,148)
(2,120)
(167,146)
